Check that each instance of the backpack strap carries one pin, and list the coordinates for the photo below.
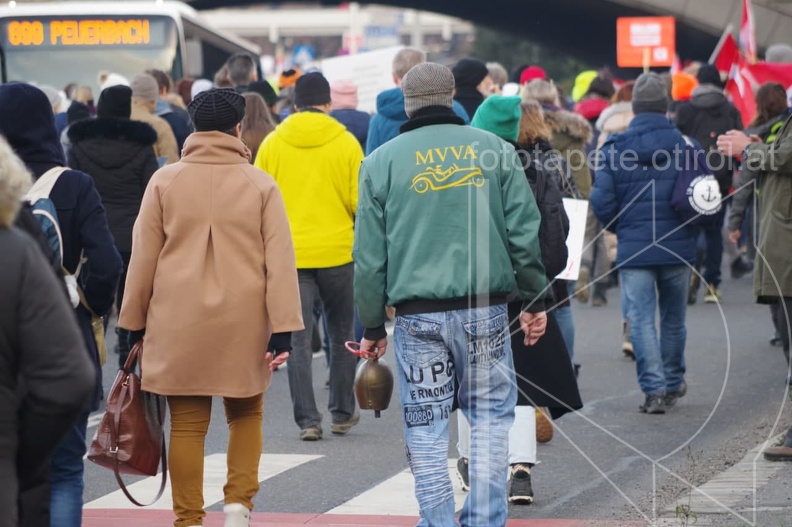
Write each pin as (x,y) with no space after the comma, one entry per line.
(42,188)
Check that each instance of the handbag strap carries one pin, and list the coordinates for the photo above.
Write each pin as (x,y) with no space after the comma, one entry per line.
(115,431)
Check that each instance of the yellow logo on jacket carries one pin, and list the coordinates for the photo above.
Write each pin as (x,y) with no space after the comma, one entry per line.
(438,175)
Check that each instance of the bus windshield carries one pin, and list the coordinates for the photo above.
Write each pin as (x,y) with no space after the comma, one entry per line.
(60,50)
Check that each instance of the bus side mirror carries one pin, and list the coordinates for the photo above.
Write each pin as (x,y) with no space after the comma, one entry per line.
(194,65)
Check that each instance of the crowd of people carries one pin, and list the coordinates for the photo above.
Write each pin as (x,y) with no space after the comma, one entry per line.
(224,220)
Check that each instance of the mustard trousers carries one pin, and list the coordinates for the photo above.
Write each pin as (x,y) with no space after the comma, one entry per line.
(189,424)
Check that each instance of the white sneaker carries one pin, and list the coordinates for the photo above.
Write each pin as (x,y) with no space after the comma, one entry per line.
(236,515)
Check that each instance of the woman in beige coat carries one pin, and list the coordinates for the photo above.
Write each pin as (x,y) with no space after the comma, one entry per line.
(212,283)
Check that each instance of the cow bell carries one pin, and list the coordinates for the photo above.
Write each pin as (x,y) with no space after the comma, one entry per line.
(373,385)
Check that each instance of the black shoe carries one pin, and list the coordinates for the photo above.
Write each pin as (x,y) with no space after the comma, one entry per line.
(671,398)
(520,490)
(776,342)
(462,472)
(740,267)
(577,370)
(653,404)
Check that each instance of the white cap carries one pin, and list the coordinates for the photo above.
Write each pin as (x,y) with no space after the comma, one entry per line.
(199,86)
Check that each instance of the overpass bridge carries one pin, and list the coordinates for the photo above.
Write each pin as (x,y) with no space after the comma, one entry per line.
(587,28)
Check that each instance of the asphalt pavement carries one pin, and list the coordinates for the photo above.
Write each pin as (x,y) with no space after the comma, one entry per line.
(606,463)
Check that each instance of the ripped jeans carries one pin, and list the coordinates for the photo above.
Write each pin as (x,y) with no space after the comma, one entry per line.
(436,352)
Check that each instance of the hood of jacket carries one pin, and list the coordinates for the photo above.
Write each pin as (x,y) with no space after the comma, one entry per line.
(309,129)
(111,142)
(708,96)
(390,104)
(591,108)
(27,122)
(214,148)
(571,124)
(651,136)
(615,118)
(764,129)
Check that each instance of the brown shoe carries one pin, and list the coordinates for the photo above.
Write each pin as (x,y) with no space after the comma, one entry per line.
(544,425)
(582,287)
(344,426)
(778,453)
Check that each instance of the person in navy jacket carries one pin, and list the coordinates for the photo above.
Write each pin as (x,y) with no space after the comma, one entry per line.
(27,122)
(635,178)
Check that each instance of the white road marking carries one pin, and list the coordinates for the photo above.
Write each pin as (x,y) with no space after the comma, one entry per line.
(395,496)
(215,470)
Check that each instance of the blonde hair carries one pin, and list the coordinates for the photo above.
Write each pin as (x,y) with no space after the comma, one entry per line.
(532,124)
(15,181)
(541,91)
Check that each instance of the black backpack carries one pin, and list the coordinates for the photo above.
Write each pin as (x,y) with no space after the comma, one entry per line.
(554,227)
(707,125)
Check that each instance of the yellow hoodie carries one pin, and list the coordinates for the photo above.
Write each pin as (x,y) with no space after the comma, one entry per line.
(315,161)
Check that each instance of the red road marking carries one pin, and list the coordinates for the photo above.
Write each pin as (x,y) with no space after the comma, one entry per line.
(150,518)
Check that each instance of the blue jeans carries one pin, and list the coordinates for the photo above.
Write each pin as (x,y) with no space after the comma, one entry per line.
(660,362)
(710,250)
(435,351)
(66,497)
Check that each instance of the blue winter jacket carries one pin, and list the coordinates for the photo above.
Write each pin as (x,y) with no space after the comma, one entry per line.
(28,125)
(390,116)
(356,122)
(635,176)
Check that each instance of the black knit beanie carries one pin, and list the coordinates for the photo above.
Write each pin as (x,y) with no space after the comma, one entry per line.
(77,112)
(469,72)
(217,110)
(264,89)
(115,101)
(709,74)
(312,89)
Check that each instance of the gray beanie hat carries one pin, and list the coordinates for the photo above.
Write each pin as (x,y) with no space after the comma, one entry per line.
(145,87)
(650,94)
(427,84)
(779,53)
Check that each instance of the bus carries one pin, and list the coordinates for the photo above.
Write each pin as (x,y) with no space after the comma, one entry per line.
(72,42)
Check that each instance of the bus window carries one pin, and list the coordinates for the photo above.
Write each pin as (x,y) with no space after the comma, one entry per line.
(59,50)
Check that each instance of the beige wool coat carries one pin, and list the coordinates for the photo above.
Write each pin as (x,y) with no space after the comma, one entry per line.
(212,273)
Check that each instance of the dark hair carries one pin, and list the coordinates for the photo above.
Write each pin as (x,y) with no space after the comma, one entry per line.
(231,132)
(602,87)
(184,88)
(257,123)
(771,101)
(241,67)
(624,93)
(163,79)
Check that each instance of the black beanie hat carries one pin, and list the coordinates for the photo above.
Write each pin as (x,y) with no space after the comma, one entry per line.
(77,112)
(709,74)
(469,72)
(311,89)
(264,89)
(217,110)
(115,101)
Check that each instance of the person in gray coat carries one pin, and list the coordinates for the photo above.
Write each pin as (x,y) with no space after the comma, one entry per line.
(46,377)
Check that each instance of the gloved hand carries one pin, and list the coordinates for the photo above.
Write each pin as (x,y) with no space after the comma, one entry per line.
(133,337)
(279,349)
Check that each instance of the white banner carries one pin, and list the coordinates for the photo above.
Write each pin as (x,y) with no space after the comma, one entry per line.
(577,210)
(372,71)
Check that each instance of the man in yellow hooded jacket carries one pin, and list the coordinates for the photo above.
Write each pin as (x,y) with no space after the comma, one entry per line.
(315,162)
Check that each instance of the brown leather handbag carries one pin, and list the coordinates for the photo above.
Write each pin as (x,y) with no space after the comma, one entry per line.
(130,439)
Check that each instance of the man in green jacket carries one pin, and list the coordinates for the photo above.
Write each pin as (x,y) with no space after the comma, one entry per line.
(773,271)
(447,228)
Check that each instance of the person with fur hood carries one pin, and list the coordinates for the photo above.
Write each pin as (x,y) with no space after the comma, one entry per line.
(118,153)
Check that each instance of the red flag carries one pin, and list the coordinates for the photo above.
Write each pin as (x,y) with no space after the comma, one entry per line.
(726,54)
(746,78)
(748,32)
